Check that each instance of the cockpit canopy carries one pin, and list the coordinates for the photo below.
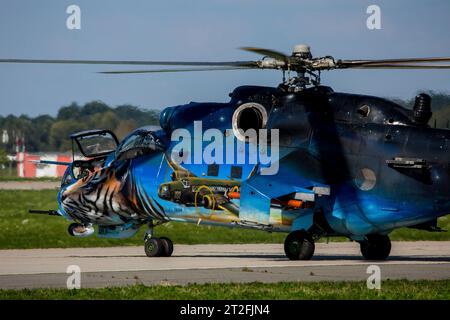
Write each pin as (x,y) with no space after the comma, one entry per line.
(142,141)
(95,143)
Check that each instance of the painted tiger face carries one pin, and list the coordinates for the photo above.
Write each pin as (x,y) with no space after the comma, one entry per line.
(98,198)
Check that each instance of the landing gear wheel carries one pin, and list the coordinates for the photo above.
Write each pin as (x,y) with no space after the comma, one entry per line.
(299,246)
(376,247)
(71,228)
(153,247)
(167,247)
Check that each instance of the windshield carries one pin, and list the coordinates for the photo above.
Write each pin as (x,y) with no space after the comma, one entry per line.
(68,177)
(96,144)
(138,143)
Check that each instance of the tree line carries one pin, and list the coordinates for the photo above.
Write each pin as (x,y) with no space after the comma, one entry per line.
(440,105)
(46,133)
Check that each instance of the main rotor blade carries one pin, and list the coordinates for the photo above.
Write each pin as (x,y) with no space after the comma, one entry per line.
(129,62)
(350,63)
(174,70)
(267,52)
(400,66)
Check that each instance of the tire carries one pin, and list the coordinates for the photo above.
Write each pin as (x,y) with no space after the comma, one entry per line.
(167,247)
(71,227)
(376,247)
(299,246)
(153,247)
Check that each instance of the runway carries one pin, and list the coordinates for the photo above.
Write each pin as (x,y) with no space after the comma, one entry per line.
(118,266)
(29,185)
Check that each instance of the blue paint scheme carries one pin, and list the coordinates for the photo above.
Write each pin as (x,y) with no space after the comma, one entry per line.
(323,144)
(122,231)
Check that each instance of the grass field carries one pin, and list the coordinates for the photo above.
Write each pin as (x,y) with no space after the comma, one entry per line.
(19,229)
(15,178)
(390,289)
(11,175)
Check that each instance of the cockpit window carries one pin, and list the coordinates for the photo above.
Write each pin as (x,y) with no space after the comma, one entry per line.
(95,143)
(67,178)
(138,144)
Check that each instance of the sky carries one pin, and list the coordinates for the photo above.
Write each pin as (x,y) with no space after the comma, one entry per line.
(207,30)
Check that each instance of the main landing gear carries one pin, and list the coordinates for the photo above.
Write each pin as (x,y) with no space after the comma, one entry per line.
(376,247)
(157,247)
(299,245)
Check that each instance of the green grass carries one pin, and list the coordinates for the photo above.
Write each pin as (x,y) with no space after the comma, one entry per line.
(404,234)
(11,175)
(19,229)
(390,289)
(19,179)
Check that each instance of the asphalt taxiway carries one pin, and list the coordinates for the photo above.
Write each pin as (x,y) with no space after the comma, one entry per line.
(29,185)
(117,266)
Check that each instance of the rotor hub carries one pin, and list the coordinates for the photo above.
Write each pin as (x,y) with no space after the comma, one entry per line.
(302,50)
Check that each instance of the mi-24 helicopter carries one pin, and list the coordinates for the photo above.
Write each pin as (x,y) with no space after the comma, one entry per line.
(298,158)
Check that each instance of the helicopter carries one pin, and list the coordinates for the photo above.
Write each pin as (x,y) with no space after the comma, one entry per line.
(341,164)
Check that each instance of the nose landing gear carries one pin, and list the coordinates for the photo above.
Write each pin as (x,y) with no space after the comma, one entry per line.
(167,247)
(157,247)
